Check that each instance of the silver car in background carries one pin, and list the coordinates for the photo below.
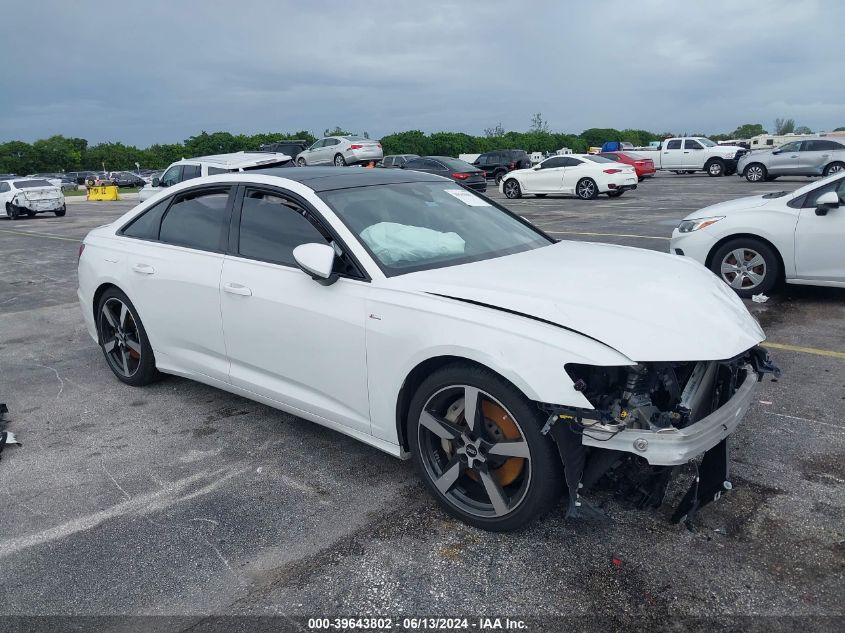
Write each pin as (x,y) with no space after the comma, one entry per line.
(340,151)
(814,157)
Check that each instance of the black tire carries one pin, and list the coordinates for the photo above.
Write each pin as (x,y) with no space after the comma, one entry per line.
(834,168)
(499,176)
(61,212)
(715,168)
(12,211)
(540,195)
(537,487)
(614,194)
(586,189)
(133,367)
(741,250)
(755,172)
(300,162)
(339,160)
(640,178)
(30,213)
(512,189)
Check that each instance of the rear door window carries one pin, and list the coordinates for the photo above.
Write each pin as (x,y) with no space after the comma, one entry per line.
(198,219)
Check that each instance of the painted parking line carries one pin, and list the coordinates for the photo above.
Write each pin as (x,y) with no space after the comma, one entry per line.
(643,237)
(47,236)
(805,350)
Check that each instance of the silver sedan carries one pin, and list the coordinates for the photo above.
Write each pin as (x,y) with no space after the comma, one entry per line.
(340,151)
(815,157)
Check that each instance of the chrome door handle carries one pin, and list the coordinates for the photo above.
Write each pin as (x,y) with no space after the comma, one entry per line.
(143,269)
(237,289)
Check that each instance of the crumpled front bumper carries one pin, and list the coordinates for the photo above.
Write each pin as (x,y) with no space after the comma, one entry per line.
(673,447)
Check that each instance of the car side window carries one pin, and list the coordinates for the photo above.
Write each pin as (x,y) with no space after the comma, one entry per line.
(190,171)
(692,144)
(838,186)
(272,226)
(674,144)
(568,161)
(612,156)
(171,177)
(332,141)
(4,187)
(197,219)
(146,225)
(217,170)
(790,147)
(551,163)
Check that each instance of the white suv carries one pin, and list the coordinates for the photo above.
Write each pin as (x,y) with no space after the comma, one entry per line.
(188,168)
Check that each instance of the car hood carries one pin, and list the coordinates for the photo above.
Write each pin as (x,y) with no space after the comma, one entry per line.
(647,305)
(731,206)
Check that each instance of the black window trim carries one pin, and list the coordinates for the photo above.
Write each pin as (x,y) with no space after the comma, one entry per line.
(205,187)
(324,227)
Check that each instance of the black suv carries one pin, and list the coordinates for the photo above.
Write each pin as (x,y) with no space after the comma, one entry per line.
(291,148)
(501,161)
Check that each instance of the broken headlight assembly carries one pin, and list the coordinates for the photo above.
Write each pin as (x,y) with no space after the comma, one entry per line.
(688,226)
(651,418)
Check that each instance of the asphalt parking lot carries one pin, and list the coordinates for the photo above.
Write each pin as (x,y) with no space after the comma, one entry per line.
(181,499)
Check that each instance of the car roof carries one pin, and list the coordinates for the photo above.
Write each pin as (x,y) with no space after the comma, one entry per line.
(238,160)
(328,178)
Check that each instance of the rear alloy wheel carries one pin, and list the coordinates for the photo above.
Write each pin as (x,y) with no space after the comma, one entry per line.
(747,265)
(715,168)
(586,189)
(61,212)
(123,340)
(339,160)
(12,211)
(755,172)
(477,444)
(300,162)
(833,168)
(512,189)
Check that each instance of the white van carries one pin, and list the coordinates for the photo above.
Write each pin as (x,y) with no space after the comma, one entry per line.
(188,168)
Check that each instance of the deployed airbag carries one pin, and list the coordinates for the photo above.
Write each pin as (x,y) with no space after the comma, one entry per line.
(393,243)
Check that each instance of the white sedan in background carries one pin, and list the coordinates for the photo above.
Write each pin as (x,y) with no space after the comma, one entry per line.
(755,242)
(583,175)
(29,196)
(421,318)
(341,151)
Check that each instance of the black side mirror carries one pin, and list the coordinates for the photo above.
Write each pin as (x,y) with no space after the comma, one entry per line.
(156,182)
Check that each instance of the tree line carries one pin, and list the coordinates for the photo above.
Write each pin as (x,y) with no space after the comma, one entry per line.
(59,153)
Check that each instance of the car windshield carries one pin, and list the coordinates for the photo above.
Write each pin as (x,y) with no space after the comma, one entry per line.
(598,159)
(706,142)
(410,227)
(29,184)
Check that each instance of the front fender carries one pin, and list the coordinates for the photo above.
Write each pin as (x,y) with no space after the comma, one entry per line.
(528,353)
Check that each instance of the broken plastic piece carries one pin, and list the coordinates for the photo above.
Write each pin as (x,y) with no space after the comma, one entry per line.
(761,298)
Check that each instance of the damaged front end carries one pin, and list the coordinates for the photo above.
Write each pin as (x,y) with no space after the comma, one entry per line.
(650,418)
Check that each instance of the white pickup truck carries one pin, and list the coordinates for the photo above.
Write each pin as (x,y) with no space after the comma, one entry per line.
(695,153)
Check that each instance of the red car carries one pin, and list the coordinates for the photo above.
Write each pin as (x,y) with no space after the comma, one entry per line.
(642,165)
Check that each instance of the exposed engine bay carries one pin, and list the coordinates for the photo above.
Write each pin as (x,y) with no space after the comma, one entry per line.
(650,405)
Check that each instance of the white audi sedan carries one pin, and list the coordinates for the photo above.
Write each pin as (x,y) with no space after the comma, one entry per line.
(756,242)
(582,175)
(417,316)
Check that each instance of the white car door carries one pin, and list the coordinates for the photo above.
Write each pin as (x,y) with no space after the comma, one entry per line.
(173,278)
(692,156)
(574,170)
(819,238)
(290,338)
(671,155)
(547,177)
(312,154)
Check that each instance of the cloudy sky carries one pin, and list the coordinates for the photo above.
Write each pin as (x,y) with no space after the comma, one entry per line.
(151,71)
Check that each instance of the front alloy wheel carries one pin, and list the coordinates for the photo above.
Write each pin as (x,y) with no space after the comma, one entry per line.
(482,456)
(755,173)
(512,189)
(747,265)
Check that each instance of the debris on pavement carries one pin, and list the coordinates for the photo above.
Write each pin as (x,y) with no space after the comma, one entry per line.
(761,298)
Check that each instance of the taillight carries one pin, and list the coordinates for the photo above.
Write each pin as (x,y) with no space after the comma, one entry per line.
(355,146)
(640,162)
(612,171)
(459,176)
(79,255)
